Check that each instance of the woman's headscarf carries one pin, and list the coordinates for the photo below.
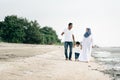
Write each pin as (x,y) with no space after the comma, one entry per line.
(87,33)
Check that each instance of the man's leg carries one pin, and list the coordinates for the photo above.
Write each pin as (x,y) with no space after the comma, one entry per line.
(70,47)
(66,48)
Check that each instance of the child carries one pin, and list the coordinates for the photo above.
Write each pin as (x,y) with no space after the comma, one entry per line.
(77,50)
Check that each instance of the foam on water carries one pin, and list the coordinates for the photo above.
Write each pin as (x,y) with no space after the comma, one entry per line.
(111,59)
(102,54)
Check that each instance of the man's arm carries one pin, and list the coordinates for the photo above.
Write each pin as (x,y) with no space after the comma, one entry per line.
(73,39)
(62,33)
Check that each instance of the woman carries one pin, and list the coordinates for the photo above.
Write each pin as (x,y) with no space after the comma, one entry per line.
(86,46)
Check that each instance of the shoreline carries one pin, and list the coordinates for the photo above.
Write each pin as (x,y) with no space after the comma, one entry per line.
(110,57)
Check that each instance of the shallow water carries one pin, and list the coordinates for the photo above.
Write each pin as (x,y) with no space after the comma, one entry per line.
(111,58)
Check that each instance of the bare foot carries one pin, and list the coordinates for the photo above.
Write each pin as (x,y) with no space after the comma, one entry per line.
(70,59)
(66,59)
(87,61)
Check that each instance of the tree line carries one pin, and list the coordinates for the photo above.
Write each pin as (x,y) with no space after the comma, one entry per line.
(19,30)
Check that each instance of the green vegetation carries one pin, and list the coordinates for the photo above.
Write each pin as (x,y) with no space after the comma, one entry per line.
(20,30)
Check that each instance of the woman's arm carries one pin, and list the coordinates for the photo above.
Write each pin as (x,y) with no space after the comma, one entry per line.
(92,42)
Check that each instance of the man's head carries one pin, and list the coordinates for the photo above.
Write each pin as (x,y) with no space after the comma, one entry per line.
(70,25)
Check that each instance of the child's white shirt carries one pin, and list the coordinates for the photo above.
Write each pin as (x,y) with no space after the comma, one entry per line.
(77,49)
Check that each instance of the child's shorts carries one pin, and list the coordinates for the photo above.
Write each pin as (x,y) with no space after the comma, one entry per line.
(77,55)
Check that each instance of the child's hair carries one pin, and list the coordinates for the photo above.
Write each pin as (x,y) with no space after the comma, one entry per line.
(78,43)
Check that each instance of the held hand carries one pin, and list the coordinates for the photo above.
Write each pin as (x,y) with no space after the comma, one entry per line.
(74,44)
(92,46)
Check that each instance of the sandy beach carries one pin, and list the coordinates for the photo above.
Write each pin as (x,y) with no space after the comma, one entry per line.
(44,62)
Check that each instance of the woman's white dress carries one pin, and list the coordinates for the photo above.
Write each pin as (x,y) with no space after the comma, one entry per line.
(86,49)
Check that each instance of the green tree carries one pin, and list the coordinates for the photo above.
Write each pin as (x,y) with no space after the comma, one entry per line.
(20,30)
(1,30)
(13,29)
(49,35)
(33,33)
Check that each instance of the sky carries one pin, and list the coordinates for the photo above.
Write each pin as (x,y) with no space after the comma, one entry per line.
(102,16)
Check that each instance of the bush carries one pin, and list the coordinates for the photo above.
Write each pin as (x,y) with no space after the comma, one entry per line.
(20,30)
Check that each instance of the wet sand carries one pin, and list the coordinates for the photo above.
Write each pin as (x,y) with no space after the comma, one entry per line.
(44,62)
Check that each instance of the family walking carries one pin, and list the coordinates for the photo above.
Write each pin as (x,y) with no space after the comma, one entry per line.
(82,50)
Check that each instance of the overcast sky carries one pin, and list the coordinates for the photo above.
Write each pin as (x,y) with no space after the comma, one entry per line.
(102,16)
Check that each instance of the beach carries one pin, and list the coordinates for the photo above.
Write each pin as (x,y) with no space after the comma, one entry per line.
(45,62)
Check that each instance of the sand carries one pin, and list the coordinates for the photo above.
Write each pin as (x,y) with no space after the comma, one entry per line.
(44,62)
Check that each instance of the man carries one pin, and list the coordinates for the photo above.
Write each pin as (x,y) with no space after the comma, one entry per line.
(69,39)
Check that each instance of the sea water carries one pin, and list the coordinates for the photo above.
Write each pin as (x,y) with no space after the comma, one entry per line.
(111,58)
